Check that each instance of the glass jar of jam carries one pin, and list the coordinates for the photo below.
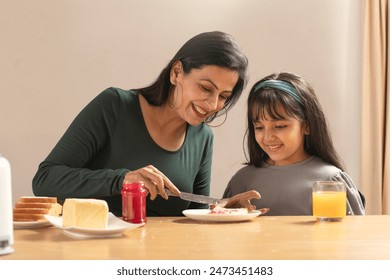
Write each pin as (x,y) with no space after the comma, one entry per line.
(134,202)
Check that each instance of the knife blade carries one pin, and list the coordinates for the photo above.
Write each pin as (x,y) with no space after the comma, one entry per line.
(197,198)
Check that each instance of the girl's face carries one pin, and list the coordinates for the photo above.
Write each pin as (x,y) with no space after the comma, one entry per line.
(202,92)
(282,139)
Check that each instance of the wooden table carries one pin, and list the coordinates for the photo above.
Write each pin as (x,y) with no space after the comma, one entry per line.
(265,237)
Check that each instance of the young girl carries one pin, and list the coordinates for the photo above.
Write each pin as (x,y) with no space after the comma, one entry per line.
(289,148)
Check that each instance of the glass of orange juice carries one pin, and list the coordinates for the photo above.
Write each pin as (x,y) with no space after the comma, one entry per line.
(329,200)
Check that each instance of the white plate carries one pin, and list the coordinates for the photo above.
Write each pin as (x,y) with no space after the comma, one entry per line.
(205,216)
(32,224)
(116,227)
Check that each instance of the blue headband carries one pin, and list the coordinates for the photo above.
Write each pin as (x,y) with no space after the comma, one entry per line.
(283,86)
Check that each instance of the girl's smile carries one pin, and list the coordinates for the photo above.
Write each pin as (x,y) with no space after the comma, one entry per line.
(281,139)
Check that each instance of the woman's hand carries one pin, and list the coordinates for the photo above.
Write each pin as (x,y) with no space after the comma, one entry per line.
(154,180)
(243,200)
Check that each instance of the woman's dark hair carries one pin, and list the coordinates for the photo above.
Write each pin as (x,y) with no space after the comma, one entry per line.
(267,100)
(209,48)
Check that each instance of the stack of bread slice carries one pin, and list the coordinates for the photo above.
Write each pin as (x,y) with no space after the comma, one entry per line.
(34,208)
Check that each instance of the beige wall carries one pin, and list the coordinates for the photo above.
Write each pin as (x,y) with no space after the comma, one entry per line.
(57,55)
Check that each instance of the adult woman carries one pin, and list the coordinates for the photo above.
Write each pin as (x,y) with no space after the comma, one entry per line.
(150,134)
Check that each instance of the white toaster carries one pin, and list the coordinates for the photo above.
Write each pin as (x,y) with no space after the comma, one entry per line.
(6,224)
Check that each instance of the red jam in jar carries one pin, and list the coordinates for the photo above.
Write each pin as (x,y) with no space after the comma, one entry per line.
(134,202)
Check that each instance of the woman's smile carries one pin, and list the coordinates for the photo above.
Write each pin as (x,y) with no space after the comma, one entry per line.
(202,92)
(199,111)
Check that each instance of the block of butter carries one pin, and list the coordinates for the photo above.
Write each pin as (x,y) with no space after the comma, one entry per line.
(85,213)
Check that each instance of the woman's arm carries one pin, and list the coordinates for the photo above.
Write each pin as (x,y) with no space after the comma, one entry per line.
(65,172)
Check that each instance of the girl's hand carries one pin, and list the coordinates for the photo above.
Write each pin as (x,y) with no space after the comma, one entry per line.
(243,200)
(154,180)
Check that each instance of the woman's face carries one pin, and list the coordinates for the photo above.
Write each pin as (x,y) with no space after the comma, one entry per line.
(202,92)
(281,139)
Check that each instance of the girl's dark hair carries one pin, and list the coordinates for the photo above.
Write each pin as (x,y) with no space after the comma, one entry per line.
(267,100)
(209,48)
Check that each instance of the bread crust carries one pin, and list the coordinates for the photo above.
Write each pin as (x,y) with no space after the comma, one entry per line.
(38,199)
(31,210)
(33,205)
(18,217)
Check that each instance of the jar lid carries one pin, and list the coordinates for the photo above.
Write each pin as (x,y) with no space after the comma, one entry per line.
(134,187)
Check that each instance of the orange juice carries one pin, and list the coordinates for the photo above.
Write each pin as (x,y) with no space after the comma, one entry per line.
(329,204)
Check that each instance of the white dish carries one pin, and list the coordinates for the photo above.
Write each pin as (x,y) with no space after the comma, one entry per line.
(116,227)
(205,216)
(32,224)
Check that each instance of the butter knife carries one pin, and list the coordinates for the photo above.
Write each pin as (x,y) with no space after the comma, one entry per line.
(197,198)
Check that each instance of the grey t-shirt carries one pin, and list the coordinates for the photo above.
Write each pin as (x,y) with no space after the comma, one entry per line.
(287,190)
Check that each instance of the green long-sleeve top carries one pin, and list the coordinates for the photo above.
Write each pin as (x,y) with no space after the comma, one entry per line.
(107,139)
